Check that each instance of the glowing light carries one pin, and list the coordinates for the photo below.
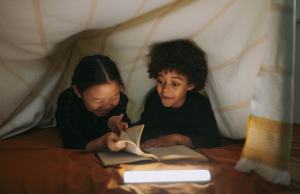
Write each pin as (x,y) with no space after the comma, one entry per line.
(166,176)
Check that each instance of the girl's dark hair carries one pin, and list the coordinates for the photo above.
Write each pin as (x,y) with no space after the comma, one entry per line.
(181,55)
(95,69)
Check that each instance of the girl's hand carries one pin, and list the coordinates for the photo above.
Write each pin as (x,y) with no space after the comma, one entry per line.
(163,141)
(116,124)
(112,141)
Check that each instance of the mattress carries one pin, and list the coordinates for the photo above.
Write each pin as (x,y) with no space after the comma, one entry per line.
(35,162)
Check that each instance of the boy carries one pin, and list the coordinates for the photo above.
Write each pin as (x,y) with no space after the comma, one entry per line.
(175,113)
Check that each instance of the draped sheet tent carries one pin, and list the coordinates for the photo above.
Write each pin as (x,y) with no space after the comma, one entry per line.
(249,45)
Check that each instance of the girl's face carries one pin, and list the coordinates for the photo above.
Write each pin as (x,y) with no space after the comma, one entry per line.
(101,99)
(172,88)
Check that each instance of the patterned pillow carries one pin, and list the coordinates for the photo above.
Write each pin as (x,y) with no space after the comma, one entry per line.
(267,149)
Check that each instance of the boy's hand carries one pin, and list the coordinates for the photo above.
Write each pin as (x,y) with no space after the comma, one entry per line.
(163,141)
(116,124)
(113,143)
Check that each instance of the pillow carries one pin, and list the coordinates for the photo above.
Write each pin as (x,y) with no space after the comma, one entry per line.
(267,149)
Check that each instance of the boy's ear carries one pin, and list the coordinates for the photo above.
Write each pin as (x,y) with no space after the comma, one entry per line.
(191,87)
(75,89)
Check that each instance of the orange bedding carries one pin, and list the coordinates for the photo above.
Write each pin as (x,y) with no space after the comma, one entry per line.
(36,163)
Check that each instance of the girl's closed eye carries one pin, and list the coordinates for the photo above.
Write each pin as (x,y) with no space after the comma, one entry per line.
(115,99)
(98,102)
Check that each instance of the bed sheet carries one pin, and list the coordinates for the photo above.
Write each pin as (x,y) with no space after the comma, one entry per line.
(35,163)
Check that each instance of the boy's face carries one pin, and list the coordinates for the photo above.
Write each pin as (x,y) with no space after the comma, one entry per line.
(100,99)
(172,88)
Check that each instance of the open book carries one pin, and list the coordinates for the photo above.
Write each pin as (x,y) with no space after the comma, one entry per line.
(133,152)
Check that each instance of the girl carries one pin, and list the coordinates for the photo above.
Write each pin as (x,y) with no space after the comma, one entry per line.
(175,113)
(93,106)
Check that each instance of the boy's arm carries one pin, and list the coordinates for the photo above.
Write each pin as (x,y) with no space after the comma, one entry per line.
(168,140)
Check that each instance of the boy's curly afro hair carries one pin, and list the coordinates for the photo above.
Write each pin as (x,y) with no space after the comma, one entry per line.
(181,55)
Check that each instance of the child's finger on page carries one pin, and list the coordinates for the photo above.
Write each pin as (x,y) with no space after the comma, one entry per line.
(112,122)
(144,145)
(120,145)
(149,143)
(123,126)
(110,144)
(156,144)
(113,147)
(119,117)
(113,137)
(117,146)
(113,143)
(118,127)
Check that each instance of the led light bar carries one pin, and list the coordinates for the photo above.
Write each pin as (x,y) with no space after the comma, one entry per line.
(166,176)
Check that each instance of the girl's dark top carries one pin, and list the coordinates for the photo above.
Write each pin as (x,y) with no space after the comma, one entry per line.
(77,125)
(194,119)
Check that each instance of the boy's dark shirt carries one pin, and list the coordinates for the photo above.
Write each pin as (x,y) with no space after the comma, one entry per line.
(194,119)
(77,125)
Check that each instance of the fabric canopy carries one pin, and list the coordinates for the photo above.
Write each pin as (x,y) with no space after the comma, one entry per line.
(248,44)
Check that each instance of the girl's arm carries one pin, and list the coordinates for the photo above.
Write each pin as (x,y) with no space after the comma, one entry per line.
(109,140)
(118,117)
(67,118)
(116,124)
(97,144)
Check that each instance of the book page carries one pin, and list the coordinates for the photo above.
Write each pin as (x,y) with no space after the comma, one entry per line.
(132,148)
(132,137)
(132,134)
(178,152)
(109,158)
